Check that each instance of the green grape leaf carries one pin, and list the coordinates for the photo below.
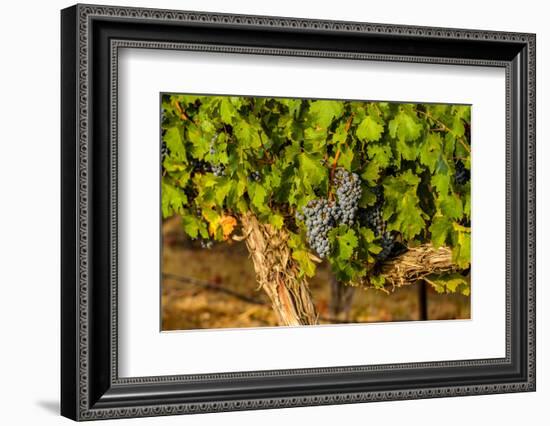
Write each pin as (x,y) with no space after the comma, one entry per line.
(345,159)
(346,243)
(191,225)
(374,248)
(378,281)
(293,105)
(371,173)
(405,126)
(315,136)
(301,254)
(380,154)
(430,151)
(367,234)
(199,144)
(247,134)
(369,130)
(311,170)
(257,195)
(186,100)
(402,208)
(324,112)
(380,158)
(304,261)
(227,110)
(222,190)
(368,198)
(340,134)
(172,137)
(440,229)
(277,220)
(457,127)
(173,200)
(450,205)
(441,182)
(449,283)
(461,246)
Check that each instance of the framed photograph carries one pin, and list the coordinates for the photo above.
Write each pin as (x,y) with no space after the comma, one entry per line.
(263,212)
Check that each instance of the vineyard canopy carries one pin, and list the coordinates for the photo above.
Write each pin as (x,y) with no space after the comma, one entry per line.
(225,158)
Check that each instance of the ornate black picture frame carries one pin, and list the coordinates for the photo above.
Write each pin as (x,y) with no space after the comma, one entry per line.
(91,37)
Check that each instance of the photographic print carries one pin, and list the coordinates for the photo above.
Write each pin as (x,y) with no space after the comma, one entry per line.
(291,212)
(325,197)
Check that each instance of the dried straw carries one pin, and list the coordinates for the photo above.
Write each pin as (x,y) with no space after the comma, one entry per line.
(417,263)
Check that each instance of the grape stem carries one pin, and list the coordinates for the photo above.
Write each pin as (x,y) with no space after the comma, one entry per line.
(348,124)
(332,171)
(334,163)
(266,152)
(183,115)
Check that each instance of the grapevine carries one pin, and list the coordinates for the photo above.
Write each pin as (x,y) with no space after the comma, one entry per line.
(350,183)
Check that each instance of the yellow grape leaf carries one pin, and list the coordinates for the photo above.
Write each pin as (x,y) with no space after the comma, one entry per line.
(227,224)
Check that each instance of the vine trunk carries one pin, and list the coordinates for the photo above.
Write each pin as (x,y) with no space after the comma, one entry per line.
(278,274)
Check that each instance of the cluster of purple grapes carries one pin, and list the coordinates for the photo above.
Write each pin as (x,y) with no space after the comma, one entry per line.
(201,166)
(318,215)
(348,194)
(372,216)
(462,174)
(217,169)
(321,215)
(255,176)
(388,243)
(164,151)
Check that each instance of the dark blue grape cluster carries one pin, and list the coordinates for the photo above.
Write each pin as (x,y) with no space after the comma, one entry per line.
(318,215)
(372,216)
(201,166)
(164,151)
(348,194)
(255,176)
(218,170)
(379,192)
(462,174)
(387,243)
(321,215)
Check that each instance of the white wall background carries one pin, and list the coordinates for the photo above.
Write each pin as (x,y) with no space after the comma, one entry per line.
(29,213)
